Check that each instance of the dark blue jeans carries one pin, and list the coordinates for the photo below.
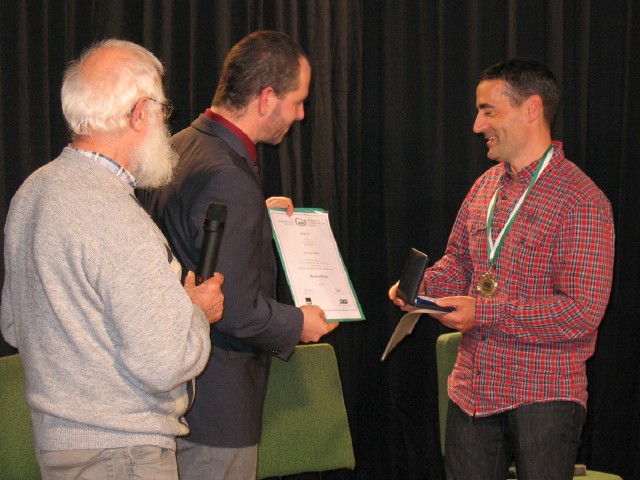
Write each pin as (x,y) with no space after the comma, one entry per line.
(543,438)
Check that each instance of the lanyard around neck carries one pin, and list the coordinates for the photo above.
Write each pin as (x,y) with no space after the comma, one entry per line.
(493,249)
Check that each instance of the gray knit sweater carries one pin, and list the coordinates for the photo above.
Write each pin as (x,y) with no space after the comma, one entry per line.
(107,335)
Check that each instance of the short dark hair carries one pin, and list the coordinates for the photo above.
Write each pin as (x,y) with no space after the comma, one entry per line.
(525,77)
(260,60)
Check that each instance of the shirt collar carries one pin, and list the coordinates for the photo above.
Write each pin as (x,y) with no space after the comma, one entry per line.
(527,172)
(111,165)
(246,141)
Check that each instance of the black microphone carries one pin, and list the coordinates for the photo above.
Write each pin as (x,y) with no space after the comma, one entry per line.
(213,227)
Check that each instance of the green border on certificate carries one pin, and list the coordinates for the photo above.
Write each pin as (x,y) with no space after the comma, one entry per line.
(313,266)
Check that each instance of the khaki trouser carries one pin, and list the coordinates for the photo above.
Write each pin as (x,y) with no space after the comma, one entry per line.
(145,462)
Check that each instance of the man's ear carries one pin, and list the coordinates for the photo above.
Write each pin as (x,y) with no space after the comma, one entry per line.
(534,107)
(267,100)
(139,115)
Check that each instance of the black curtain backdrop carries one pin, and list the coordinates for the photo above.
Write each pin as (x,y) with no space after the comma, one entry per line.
(387,148)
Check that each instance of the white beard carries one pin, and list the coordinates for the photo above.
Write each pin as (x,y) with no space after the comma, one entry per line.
(154,161)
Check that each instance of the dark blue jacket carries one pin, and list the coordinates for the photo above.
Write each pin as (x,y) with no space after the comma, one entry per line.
(215,167)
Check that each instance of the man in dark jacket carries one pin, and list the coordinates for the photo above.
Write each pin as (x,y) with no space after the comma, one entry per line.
(262,89)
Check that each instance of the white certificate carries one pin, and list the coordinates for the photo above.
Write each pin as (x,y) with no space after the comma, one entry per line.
(312,263)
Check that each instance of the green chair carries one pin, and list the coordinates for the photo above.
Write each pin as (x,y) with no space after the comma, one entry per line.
(17,451)
(446,355)
(304,425)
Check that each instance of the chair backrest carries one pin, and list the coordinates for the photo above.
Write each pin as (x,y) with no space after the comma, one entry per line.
(304,426)
(446,355)
(17,451)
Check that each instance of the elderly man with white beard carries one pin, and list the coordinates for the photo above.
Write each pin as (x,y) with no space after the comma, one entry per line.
(109,338)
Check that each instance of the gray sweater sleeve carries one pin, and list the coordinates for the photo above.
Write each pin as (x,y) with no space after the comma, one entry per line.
(163,339)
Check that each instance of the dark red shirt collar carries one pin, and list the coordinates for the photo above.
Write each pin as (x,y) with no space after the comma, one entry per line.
(248,143)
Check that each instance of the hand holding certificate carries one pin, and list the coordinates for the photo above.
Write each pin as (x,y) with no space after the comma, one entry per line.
(312,263)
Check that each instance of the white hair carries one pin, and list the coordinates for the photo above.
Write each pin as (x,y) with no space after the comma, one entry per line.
(100,99)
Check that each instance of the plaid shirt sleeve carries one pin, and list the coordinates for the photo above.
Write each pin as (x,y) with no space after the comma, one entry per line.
(452,274)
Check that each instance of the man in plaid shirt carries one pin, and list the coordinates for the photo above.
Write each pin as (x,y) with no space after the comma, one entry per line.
(528,269)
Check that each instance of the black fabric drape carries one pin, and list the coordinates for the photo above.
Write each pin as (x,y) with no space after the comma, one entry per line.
(387,148)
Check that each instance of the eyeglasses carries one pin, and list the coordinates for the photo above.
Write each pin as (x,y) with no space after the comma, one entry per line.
(167,108)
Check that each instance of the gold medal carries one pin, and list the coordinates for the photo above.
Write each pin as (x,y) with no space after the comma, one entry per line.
(488,285)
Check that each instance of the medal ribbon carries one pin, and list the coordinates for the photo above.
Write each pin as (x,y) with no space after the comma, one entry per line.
(493,249)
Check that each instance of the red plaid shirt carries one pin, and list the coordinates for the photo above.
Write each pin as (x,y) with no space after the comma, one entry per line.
(531,341)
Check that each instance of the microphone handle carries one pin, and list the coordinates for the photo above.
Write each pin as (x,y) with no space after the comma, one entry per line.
(208,254)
